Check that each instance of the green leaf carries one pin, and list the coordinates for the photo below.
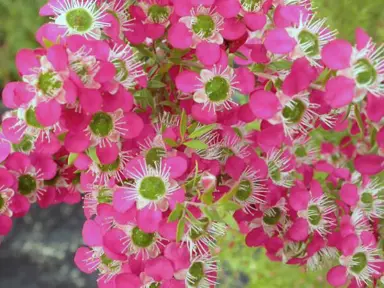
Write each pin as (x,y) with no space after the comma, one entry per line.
(231,222)
(280,65)
(171,142)
(92,154)
(155,84)
(196,144)
(228,196)
(253,126)
(207,197)
(192,219)
(211,214)
(278,83)
(144,98)
(143,50)
(183,124)
(320,176)
(240,55)
(72,158)
(359,120)
(257,68)
(176,214)
(229,206)
(269,85)
(180,230)
(202,130)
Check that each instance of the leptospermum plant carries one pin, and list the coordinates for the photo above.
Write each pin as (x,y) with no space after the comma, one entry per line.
(177,121)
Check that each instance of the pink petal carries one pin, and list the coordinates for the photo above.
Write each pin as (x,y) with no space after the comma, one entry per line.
(337,276)
(154,31)
(159,269)
(50,32)
(18,162)
(179,36)
(45,164)
(92,234)
(369,164)
(58,57)
(349,244)
(76,142)
(121,202)
(255,21)
(233,29)
(299,230)
(82,257)
(136,33)
(379,138)
(70,91)
(246,80)
(178,254)
(127,281)
(107,154)
(228,8)
(168,230)
(278,41)
(203,115)
(11,131)
(90,100)
(264,104)
(19,206)
(177,197)
(26,60)
(256,238)
(208,53)
(182,8)
(134,125)
(375,112)
(113,240)
(339,91)
(106,73)
(187,81)
(234,167)
(259,54)
(336,54)
(349,194)
(178,166)
(15,94)
(48,113)
(5,225)
(298,199)
(5,148)
(362,38)
(148,220)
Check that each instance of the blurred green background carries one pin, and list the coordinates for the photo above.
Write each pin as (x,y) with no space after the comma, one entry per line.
(243,267)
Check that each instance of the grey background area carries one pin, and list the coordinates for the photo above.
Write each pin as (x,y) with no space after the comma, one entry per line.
(40,249)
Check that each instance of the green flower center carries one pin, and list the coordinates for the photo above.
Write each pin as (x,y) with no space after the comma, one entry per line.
(244,190)
(48,83)
(251,5)
(2,202)
(154,285)
(158,13)
(27,184)
(101,124)
(79,19)
(366,74)
(295,111)
(301,152)
(360,262)
(154,155)
(25,145)
(196,233)
(109,263)
(30,118)
(142,239)
(273,216)
(309,43)
(217,89)
(110,167)
(121,69)
(53,181)
(367,198)
(314,215)
(104,196)
(152,188)
(203,26)
(197,273)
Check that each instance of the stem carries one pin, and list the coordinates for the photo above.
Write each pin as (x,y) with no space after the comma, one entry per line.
(271,77)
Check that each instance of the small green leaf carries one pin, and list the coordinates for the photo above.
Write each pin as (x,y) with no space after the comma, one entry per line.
(257,68)
(202,130)
(229,206)
(144,51)
(320,176)
(183,124)
(240,55)
(92,154)
(72,158)
(278,83)
(359,120)
(207,197)
(171,142)
(230,221)
(269,85)
(176,214)
(280,65)
(191,218)
(196,144)
(144,98)
(180,230)
(253,126)
(155,84)
(211,214)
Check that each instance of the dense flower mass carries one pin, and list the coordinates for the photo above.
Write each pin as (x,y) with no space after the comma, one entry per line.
(173,121)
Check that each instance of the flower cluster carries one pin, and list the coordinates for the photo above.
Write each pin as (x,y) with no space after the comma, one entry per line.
(175,121)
